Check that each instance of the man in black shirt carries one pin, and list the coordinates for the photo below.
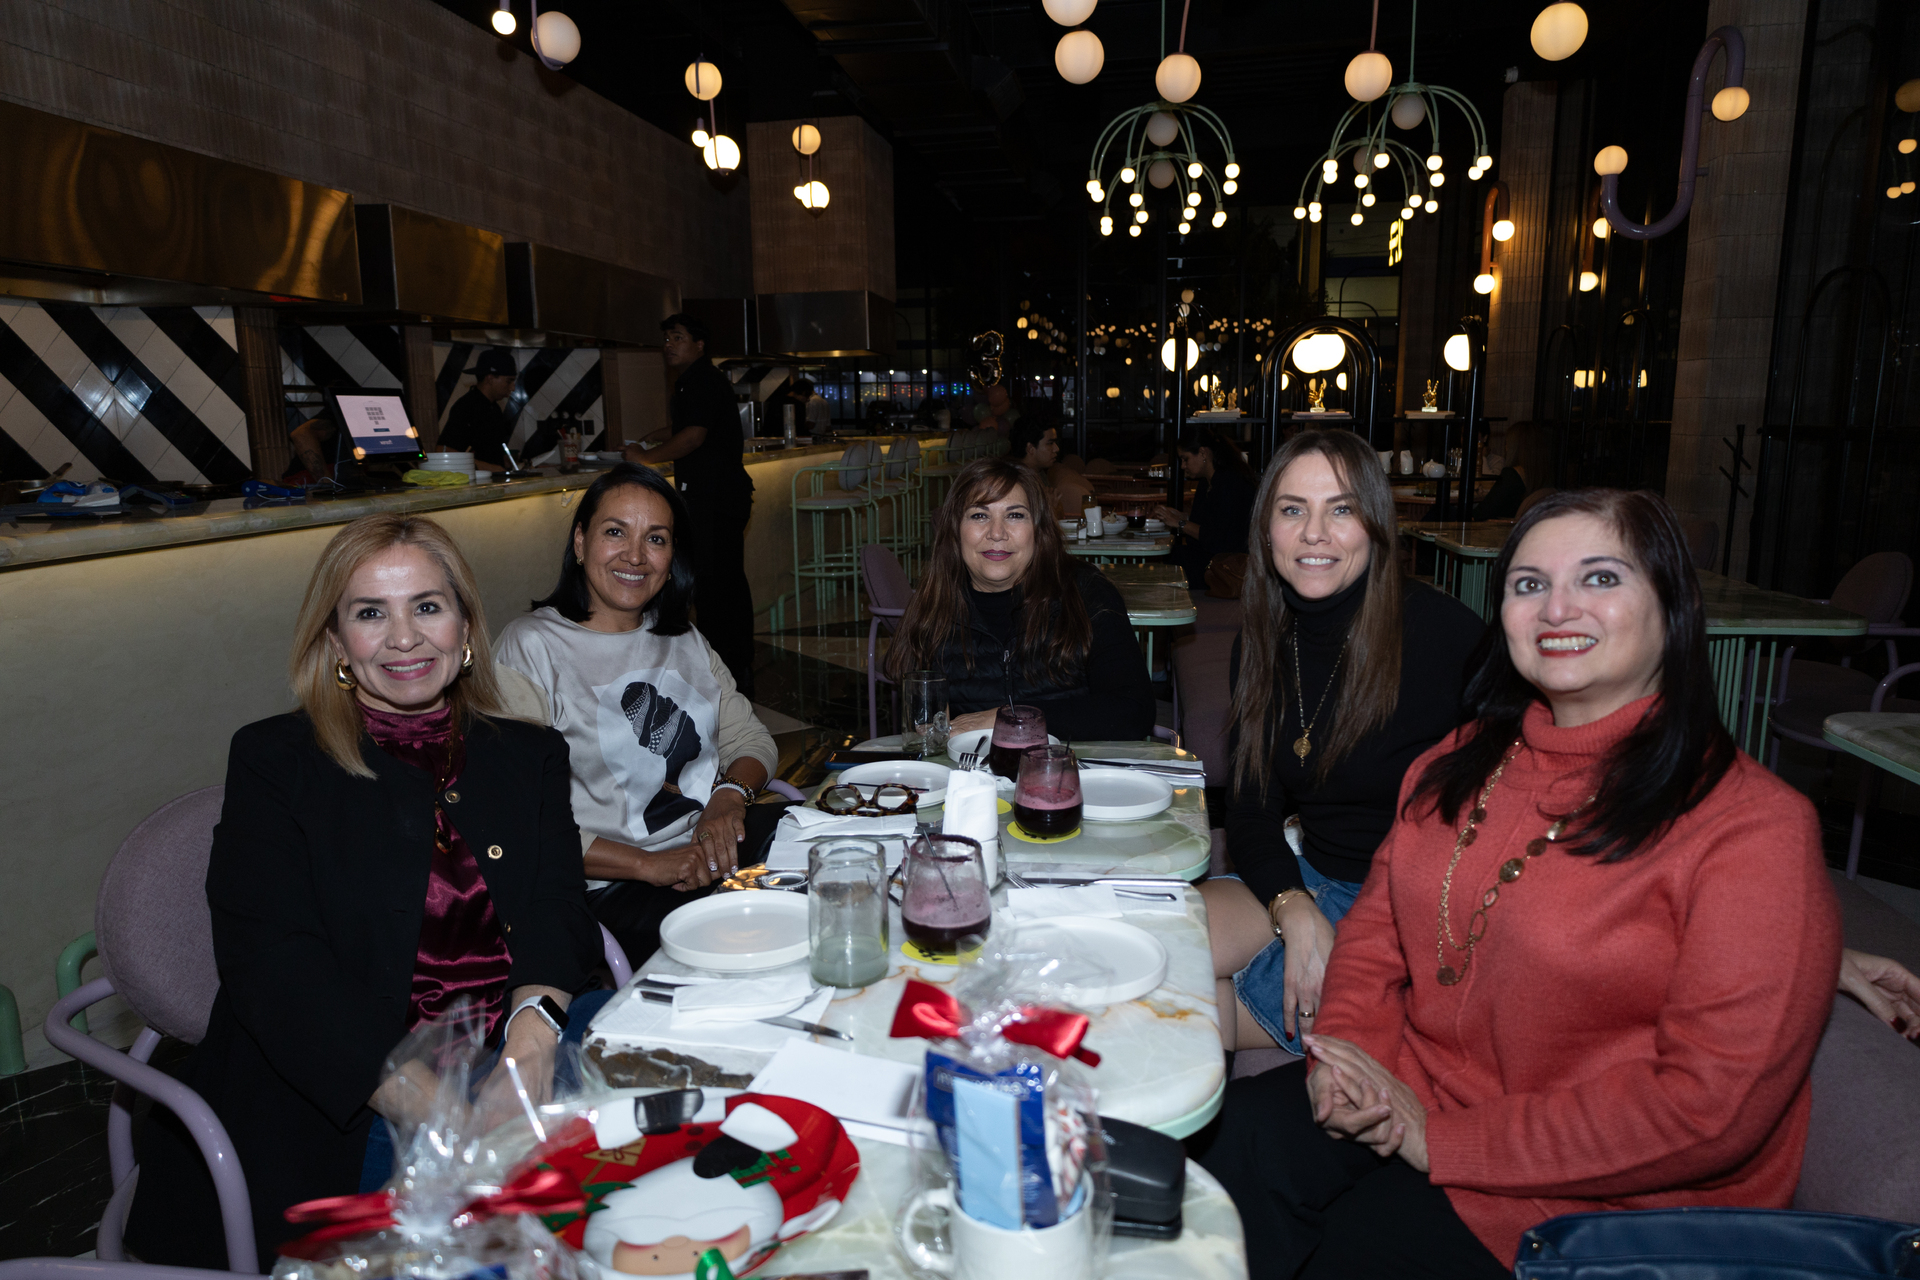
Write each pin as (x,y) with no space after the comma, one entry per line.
(706,451)
(476,422)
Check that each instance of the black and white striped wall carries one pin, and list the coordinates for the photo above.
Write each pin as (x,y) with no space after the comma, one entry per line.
(141,394)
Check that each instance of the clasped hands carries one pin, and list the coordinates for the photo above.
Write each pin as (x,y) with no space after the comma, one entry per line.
(715,850)
(1356,1099)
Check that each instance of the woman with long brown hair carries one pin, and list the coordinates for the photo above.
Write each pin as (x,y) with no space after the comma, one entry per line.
(1008,616)
(1344,672)
(394,850)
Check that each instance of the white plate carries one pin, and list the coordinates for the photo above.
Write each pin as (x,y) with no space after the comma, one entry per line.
(737,932)
(1122,795)
(976,740)
(1155,526)
(914,773)
(1134,960)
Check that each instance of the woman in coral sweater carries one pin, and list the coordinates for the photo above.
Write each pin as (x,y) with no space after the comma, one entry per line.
(1591,962)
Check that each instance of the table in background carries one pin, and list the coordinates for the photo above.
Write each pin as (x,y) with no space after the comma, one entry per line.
(1887,740)
(1156,596)
(1121,548)
(1464,551)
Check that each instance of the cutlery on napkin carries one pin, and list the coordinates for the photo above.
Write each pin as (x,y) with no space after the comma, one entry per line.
(1043,902)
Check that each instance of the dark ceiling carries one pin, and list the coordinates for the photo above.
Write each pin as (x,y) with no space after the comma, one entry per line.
(1009,143)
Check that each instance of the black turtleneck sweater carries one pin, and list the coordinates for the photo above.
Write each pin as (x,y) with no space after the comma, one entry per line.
(1345,818)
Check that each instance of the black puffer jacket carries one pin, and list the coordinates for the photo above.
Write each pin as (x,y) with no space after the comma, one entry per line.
(1106,696)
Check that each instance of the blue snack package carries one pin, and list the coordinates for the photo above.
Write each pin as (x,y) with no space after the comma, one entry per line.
(980,1165)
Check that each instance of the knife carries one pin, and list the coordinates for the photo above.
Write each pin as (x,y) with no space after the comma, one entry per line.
(791,1024)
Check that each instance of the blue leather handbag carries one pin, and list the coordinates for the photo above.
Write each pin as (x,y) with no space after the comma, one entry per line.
(1717,1244)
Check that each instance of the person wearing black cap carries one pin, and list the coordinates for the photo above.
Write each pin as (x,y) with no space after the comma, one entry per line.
(706,450)
(477,422)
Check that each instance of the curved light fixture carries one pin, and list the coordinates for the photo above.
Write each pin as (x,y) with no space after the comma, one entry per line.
(1361,136)
(1559,31)
(1732,100)
(1159,145)
(556,40)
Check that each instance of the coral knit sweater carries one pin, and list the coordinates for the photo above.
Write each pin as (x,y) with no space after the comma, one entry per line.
(1629,1036)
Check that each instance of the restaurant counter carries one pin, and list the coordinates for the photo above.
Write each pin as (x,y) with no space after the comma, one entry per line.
(135,646)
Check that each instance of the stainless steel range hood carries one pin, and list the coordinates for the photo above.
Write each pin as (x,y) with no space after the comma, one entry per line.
(572,298)
(431,270)
(835,323)
(91,215)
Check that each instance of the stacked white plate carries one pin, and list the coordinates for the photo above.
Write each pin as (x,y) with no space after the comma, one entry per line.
(458,462)
(1122,795)
(931,778)
(737,932)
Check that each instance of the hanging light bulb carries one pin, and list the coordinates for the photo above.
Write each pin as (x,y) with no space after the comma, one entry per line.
(1381,160)
(1300,211)
(1408,110)
(1475,173)
(1195,169)
(1369,75)
(1233,170)
(1178,77)
(1589,281)
(1140,216)
(1360,180)
(1367,200)
(1185,227)
(1559,31)
(1167,353)
(1503,230)
(1229,186)
(1106,226)
(1340,379)
(1161,173)
(503,19)
(1730,103)
(1162,128)
(1127,175)
(1356,218)
(703,80)
(1437,179)
(1313,215)
(1133,231)
(1458,353)
(700,134)
(812,195)
(1406,214)
(1433,206)
(1193,198)
(1433,163)
(1611,160)
(556,39)
(1600,228)
(1079,56)
(1906,147)
(1136,199)
(1219,217)
(1069,13)
(806,139)
(721,153)
(1483,283)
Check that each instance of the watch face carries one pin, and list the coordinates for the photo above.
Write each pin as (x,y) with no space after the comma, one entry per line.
(555,1014)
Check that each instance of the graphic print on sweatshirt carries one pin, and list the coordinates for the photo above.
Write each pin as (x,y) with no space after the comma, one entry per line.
(651,739)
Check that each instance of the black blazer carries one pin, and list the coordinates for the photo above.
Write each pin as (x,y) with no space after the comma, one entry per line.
(317,885)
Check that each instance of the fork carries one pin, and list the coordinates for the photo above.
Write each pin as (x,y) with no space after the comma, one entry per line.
(969,761)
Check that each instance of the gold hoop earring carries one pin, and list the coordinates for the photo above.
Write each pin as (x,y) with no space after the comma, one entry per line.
(466,656)
(343,674)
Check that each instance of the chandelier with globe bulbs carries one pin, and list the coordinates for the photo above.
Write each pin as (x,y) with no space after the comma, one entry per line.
(1159,141)
(1361,139)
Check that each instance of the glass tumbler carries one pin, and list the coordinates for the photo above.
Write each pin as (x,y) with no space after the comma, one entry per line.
(1015,728)
(847,913)
(923,698)
(1046,798)
(946,897)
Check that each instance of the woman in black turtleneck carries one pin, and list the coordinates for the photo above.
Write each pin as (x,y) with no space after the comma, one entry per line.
(1364,668)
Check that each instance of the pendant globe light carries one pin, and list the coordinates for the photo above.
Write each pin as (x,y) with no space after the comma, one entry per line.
(556,40)
(1728,104)
(1365,155)
(717,150)
(1158,146)
(811,193)
(1559,31)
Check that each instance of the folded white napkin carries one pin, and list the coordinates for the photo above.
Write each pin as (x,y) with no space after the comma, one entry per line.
(701,1004)
(630,1022)
(972,806)
(1048,901)
(804,820)
(792,855)
(873,1096)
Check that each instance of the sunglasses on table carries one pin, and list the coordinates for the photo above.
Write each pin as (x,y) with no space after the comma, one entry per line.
(852,800)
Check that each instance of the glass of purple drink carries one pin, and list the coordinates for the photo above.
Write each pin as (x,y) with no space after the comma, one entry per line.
(1046,797)
(945,897)
(1015,728)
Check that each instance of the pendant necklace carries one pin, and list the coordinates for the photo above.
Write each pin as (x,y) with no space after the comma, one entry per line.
(1510,870)
(1303,743)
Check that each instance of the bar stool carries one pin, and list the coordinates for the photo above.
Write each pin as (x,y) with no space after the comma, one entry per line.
(847,504)
(896,485)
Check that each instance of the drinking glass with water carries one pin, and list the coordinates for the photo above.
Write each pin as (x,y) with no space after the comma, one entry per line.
(847,913)
(923,696)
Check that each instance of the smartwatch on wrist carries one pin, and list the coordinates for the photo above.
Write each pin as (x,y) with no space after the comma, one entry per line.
(546,1008)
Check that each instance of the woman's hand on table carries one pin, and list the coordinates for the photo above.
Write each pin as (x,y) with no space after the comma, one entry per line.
(1362,1100)
(971,721)
(1309,938)
(719,832)
(1172,517)
(1886,987)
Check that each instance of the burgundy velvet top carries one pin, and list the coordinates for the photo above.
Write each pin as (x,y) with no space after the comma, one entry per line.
(462,951)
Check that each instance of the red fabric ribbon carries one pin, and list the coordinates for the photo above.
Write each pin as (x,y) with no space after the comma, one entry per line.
(926,1010)
(532,1190)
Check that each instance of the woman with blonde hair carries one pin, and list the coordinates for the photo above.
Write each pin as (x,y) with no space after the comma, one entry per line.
(395,847)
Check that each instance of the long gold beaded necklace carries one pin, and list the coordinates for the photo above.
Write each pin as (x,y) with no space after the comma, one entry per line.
(1510,870)
(1303,743)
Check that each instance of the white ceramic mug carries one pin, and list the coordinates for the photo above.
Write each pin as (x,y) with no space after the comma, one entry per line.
(978,1251)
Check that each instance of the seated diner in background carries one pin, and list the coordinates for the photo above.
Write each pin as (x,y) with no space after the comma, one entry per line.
(1009,617)
(1223,496)
(1341,652)
(396,846)
(667,754)
(1633,961)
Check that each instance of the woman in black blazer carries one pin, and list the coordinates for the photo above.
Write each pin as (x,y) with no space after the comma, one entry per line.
(390,849)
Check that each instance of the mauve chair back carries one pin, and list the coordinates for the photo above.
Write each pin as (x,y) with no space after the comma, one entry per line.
(1877,590)
(151,920)
(887,586)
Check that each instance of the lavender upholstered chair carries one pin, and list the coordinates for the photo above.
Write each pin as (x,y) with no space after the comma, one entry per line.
(888,592)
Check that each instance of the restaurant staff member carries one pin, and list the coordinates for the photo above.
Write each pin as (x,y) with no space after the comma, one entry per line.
(706,451)
(477,421)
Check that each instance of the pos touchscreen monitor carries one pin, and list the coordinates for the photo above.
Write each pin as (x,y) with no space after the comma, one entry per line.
(374,427)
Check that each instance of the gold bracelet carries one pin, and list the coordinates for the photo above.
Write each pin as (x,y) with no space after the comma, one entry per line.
(1280,900)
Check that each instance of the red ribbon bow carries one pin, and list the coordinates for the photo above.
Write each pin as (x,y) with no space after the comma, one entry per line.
(926,1010)
(532,1190)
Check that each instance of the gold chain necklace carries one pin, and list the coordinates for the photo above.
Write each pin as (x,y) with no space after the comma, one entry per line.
(1302,744)
(1510,870)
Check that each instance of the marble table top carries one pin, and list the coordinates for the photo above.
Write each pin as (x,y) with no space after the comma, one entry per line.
(1161,1063)
(1889,739)
(1428,530)
(1122,575)
(1121,546)
(1210,1248)
(1158,604)
(1739,608)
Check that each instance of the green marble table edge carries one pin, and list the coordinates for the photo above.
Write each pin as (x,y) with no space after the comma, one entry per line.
(1736,608)
(1145,575)
(1866,734)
